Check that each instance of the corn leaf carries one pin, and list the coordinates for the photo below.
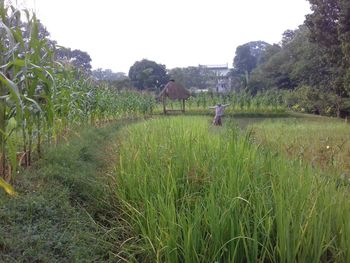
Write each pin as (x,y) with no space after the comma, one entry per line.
(7,187)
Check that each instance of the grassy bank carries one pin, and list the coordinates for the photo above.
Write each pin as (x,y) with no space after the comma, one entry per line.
(65,211)
(195,193)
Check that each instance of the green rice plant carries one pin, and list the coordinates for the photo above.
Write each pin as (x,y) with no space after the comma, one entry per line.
(240,102)
(320,141)
(196,193)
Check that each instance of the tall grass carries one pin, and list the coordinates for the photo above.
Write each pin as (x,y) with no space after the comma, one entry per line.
(40,99)
(240,102)
(195,193)
(321,142)
(65,209)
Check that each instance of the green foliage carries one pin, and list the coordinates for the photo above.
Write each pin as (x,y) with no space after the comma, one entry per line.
(108,75)
(330,30)
(263,103)
(26,80)
(247,58)
(77,58)
(198,194)
(44,98)
(324,24)
(312,60)
(304,67)
(65,210)
(148,75)
(312,100)
(193,77)
(318,141)
(249,55)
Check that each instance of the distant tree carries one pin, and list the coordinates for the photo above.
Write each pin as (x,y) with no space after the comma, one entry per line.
(42,31)
(147,74)
(200,77)
(269,52)
(115,80)
(180,76)
(330,29)
(108,74)
(303,67)
(244,60)
(248,56)
(120,84)
(77,58)
(297,62)
(287,36)
(193,77)
(324,22)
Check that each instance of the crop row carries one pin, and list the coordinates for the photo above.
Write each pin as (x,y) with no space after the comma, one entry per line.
(40,98)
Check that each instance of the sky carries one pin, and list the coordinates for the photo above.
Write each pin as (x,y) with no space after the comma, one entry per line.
(176,33)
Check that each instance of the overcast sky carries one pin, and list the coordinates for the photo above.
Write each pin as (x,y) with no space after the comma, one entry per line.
(177,33)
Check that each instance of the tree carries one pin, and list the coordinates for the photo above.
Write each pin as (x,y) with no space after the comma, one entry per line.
(297,62)
(147,74)
(248,57)
(244,61)
(108,74)
(193,77)
(330,29)
(79,59)
(287,36)
(303,67)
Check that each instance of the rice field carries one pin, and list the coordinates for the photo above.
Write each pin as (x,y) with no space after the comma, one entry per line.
(191,192)
(321,142)
(270,102)
(187,191)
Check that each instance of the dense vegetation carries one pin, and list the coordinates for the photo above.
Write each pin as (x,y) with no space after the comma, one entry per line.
(321,142)
(271,101)
(65,210)
(41,98)
(194,194)
(175,189)
(311,61)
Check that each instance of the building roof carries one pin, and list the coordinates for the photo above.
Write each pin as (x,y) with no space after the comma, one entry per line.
(216,66)
(220,70)
(174,91)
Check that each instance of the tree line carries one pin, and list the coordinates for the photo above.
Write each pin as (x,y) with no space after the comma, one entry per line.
(311,63)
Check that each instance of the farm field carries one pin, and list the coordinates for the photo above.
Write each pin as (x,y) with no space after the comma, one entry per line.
(195,193)
(176,189)
(125,163)
(321,142)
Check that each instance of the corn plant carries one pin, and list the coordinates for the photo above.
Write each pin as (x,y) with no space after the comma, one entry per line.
(41,99)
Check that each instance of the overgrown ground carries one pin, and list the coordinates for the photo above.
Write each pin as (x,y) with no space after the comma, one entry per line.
(65,210)
(319,141)
(69,208)
(197,193)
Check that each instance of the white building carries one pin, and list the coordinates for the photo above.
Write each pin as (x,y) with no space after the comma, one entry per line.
(222,78)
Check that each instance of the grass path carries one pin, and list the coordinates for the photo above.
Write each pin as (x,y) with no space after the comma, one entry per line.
(65,210)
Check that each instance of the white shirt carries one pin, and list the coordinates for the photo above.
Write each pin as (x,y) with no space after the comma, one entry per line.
(219,110)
